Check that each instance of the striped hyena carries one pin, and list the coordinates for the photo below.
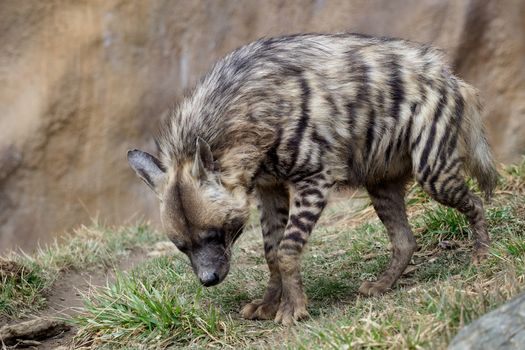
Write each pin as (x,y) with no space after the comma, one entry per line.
(287,119)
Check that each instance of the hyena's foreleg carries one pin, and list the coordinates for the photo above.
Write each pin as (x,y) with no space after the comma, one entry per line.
(308,198)
(273,205)
(388,200)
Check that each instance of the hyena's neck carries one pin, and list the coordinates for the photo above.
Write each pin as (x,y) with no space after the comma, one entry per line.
(240,162)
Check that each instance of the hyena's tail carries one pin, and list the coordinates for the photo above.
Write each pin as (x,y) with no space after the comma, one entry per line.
(479,160)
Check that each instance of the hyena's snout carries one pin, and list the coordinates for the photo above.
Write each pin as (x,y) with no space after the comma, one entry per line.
(211,264)
(209,278)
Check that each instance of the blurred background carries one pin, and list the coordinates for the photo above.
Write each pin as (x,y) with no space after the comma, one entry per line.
(82,81)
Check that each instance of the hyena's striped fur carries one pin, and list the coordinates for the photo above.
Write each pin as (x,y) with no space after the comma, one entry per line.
(288,119)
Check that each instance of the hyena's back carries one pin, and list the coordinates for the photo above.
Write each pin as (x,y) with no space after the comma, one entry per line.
(367,108)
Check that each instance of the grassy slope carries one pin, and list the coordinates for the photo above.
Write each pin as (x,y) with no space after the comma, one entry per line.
(160,303)
(26,280)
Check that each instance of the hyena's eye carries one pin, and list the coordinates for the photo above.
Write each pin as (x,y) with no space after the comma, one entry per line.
(214,235)
(183,247)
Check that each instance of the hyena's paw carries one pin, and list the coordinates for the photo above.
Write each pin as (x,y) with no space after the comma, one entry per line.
(260,310)
(291,311)
(373,288)
(479,254)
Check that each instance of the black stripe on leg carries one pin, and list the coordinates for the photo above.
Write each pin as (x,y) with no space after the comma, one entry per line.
(452,127)
(295,236)
(308,216)
(453,164)
(388,153)
(305,227)
(320,204)
(459,112)
(439,170)
(446,181)
(290,247)
(312,192)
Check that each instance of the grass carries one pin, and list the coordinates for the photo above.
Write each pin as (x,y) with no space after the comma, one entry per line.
(21,285)
(26,279)
(441,293)
(156,303)
(160,304)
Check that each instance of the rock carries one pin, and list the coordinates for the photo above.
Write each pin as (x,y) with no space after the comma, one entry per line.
(83,81)
(503,328)
(448,245)
(29,332)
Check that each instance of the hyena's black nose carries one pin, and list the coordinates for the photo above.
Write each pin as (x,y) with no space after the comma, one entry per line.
(209,278)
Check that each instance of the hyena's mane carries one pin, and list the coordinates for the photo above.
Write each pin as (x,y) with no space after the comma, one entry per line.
(221,107)
(207,111)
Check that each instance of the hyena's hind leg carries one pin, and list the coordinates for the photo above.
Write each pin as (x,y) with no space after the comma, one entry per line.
(448,187)
(388,200)
(273,207)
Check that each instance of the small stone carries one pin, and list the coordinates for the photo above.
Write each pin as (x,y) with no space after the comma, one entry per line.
(447,245)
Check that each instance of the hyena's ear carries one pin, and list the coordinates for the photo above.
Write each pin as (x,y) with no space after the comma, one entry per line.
(148,168)
(203,164)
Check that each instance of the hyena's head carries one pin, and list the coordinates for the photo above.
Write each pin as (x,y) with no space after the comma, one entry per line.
(200,215)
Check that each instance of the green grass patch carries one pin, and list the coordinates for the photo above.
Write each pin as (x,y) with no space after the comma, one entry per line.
(157,304)
(21,285)
(443,223)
